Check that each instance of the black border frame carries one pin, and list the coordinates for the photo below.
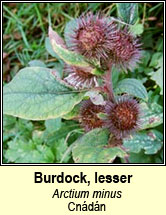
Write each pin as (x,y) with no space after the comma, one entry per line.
(81,164)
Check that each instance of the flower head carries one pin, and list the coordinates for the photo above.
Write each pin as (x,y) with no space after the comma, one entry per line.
(88,115)
(123,116)
(79,78)
(92,36)
(126,52)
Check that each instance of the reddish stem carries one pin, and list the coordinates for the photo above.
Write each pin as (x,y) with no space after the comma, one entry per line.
(108,84)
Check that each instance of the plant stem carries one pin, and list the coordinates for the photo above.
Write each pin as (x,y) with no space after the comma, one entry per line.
(126,159)
(108,84)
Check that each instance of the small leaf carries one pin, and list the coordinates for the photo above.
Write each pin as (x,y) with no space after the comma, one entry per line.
(128,12)
(53,125)
(157,76)
(59,68)
(156,60)
(137,29)
(66,127)
(152,116)
(102,116)
(36,94)
(132,87)
(145,59)
(60,148)
(69,57)
(151,141)
(8,122)
(92,148)
(97,72)
(55,37)
(28,152)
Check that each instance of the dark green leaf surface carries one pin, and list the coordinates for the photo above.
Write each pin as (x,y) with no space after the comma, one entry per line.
(92,148)
(128,12)
(8,122)
(35,94)
(66,128)
(151,116)
(60,148)
(151,141)
(142,158)
(132,87)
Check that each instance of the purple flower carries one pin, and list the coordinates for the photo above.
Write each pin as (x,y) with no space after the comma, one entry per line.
(88,115)
(123,117)
(126,52)
(80,78)
(92,36)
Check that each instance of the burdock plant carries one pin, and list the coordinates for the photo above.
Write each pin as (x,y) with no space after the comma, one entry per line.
(111,117)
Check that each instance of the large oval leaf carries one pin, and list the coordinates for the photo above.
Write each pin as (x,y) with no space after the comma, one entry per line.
(152,116)
(36,94)
(92,148)
(128,12)
(132,87)
(151,141)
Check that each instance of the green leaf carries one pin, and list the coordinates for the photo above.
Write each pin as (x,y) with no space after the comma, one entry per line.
(8,122)
(92,148)
(128,12)
(36,63)
(132,87)
(59,68)
(151,141)
(25,127)
(73,114)
(49,48)
(97,71)
(60,148)
(152,116)
(53,125)
(16,128)
(28,152)
(137,29)
(69,57)
(66,128)
(36,94)
(156,60)
(140,158)
(159,44)
(157,76)
(145,59)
